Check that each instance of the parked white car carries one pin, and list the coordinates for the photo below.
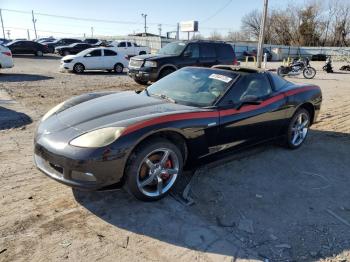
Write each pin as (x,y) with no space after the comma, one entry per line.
(99,58)
(6,60)
(130,48)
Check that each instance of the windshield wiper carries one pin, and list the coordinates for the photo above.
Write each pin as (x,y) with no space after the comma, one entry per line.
(162,96)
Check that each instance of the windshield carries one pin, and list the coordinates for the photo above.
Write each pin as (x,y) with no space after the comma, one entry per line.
(175,48)
(199,87)
(85,52)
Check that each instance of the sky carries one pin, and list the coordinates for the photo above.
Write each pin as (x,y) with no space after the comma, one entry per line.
(220,15)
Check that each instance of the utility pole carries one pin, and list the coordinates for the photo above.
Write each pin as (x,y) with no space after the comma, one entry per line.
(34,22)
(28,34)
(262,35)
(2,24)
(145,17)
(178,31)
(92,32)
(160,29)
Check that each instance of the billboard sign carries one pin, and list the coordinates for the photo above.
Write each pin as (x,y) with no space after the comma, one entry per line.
(189,26)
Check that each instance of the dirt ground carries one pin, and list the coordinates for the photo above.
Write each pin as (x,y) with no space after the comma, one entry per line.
(267,203)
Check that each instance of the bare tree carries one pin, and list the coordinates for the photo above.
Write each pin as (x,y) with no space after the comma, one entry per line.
(215,35)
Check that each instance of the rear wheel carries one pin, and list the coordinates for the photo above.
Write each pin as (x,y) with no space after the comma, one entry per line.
(118,68)
(298,129)
(39,53)
(309,72)
(78,68)
(142,53)
(152,169)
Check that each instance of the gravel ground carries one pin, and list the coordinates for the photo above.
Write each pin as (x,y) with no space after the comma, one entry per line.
(263,203)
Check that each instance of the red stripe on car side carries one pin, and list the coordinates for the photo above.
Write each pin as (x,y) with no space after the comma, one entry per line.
(169,118)
(196,115)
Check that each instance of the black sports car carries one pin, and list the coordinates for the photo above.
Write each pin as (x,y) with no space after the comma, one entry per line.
(143,139)
(72,49)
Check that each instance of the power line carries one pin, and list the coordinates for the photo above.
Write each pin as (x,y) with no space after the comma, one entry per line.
(83,18)
(217,12)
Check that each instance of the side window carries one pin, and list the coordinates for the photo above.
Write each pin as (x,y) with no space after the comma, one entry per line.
(250,87)
(224,51)
(94,53)
(193,49)
(129,44)
(278,81)
(109,53)
(207,51)
(122,44)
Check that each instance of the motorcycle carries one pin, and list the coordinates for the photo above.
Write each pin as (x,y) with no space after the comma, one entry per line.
(296,68)
(328,66)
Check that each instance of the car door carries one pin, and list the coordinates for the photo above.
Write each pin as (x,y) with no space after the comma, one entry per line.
(110,58)
(93,60)
(131,49)
(207,55)
(122,46)
(190,56)
(250,112)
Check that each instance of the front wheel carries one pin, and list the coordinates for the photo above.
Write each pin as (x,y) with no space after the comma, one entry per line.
(78,68)
(141,82)
(309,72)
(298,129)
(152,169)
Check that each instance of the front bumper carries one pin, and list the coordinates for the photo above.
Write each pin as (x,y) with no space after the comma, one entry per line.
(143,74)
(87,170)
(66,66)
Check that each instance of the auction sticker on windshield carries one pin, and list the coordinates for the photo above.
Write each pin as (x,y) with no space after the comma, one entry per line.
(222,78)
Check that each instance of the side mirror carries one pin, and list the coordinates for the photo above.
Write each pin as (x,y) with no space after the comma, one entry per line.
(187,54)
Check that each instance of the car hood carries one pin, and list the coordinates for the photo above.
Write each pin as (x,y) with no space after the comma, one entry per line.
(68,57)
(117,109)
(151,57)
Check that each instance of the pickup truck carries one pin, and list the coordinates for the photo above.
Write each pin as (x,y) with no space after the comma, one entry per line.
(130,48)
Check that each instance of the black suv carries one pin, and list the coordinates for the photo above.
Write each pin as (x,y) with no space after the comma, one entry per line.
(144,68)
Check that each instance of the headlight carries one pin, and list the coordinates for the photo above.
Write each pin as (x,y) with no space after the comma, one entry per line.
(68,60)
(150,64)
(98,138)
(52,111)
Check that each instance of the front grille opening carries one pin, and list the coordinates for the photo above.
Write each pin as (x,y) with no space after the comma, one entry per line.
(57,168)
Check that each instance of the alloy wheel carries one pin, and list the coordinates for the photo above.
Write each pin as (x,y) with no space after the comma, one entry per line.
(300,129)
(158,172)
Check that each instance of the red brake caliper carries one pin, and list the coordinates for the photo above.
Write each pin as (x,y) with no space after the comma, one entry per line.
(166,176)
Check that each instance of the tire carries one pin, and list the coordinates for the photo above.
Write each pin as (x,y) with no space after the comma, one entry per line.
(78,68)
(142,53)
(309,72)
(146,185)
(66,53)
(279,72)
(165,72)
(39,53)
(141,82)
(118,68)
(294,140)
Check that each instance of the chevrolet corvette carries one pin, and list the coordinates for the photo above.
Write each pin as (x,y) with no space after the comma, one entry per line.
(142,140)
